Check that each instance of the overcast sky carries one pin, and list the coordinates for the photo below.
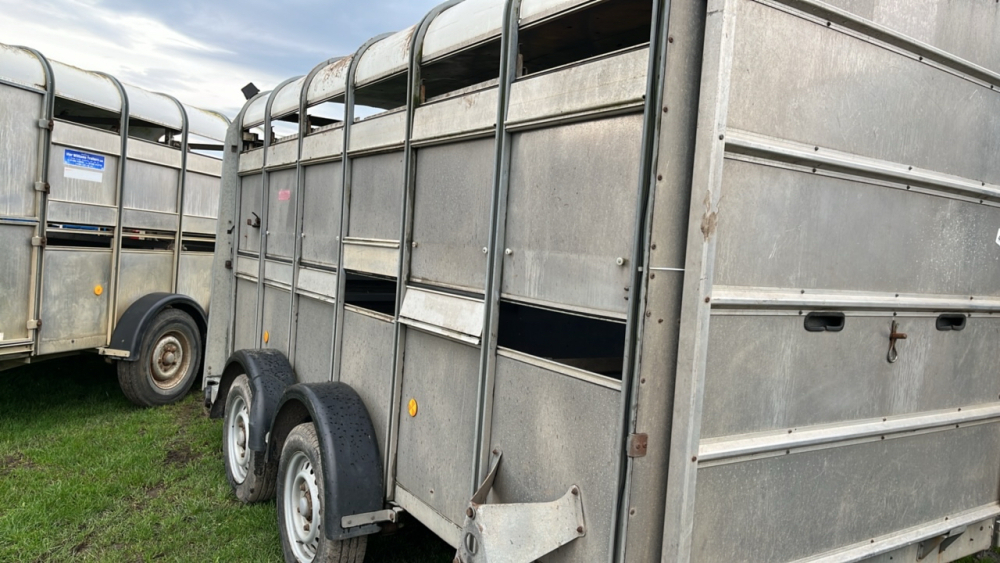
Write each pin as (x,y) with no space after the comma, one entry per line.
(202,52)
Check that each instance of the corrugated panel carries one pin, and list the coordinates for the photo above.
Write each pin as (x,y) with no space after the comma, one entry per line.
(155,108)
(85,87)
(467,23)
(386,57)
(21,67)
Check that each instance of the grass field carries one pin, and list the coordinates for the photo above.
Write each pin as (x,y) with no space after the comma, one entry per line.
(86,476)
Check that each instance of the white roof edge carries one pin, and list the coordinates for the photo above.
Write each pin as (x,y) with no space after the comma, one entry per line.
(329,82)
(153,107)
(20,66)
(287,99)
(385,57)
(464,24)
(208,124)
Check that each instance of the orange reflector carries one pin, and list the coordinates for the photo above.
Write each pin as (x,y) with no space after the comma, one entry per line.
(267,336)
(412,407)
(98,290)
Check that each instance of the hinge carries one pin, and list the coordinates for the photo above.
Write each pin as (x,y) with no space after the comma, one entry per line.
(35,324)
(45,124)
(38,241)
(42,187)
(229,264)
(637,445)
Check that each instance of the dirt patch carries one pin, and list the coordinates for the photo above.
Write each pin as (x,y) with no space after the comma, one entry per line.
(180,456)
(17,460)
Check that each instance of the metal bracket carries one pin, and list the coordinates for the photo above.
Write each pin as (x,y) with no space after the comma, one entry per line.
(229,264)
(637,445)
(42,187)
(38,241)
(939,544)
(354,520)
(518,533)
(34,324)
(45,124)
(113,353)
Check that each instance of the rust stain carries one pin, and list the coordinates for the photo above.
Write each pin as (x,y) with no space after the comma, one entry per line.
(709,221)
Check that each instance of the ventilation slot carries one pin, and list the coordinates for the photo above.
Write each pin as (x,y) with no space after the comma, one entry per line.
(90,116)
(586,343)
(825,322)
(950,322)
(372,293)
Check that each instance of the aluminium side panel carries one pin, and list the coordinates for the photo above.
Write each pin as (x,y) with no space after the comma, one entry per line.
(313,338)
(281,213)
(250,210)
(321,193)
(366,364)
(75,312)
(376,196)
(194,277)
(860,187)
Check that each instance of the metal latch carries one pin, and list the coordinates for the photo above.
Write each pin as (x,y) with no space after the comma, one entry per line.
(34,324)
(229,264)
(518,533)
(637,445)
(45,124)
(939,543)
(38,241)
(42,187)
(255,222)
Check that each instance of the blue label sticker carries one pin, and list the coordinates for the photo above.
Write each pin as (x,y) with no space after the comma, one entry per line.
(83,160)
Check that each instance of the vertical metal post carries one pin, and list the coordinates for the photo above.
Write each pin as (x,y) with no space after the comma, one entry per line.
(345,202)
(405,236)
(692,352)
(633,328)
(116,248)
(41,198)
(264,215)
(181,182)
(300,182)
(498,220)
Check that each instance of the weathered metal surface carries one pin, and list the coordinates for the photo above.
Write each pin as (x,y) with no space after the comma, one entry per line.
(194,277)
(607,84)
(87,138)
(143,272)
(440,375)
(74,315)
(81,214)
(203,165)
(323,144)
(386,57)
(274,323)
(21,67)
(329,82)
(19,145)
(376,196)
(282,194)
(245,315)
(313,337)
(556,432)
(532,10)
(286,100)
(152,107)
(865,491)
(247,267)
(201,196)
(153,153)
(253,114)
(250,210)
(366,365)
(150,186)
(322,193)
(282,153)
(252,160)
(570,213)
(378,258)
(475,112)
(449,178)
(321,284)
(14,267)
(380,132)
(451,315)
(278,272)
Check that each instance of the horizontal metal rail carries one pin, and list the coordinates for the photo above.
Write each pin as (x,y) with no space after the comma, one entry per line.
(780,298)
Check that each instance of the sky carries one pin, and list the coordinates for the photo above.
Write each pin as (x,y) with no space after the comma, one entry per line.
(202,52)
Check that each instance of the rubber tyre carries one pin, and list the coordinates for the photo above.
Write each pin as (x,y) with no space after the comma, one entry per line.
(169,327)
(250,483)
(302,447)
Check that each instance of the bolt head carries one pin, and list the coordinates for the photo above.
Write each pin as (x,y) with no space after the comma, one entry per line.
(470,512)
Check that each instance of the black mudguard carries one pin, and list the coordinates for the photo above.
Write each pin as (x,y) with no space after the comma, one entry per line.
(132,326)
(269,373)
(352,464)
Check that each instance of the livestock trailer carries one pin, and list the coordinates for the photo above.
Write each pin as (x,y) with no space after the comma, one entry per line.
(107,223)
(623,280)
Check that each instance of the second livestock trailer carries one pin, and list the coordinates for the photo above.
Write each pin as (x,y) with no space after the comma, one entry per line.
(624,280)
(107,223)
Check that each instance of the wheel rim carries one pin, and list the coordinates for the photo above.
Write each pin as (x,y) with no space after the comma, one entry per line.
(238,426)
(170,360)
(302,508)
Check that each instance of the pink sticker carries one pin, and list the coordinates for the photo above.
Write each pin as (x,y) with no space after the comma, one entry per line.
(284,195)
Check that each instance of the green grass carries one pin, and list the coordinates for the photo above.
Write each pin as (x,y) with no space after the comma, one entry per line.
(86,476)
